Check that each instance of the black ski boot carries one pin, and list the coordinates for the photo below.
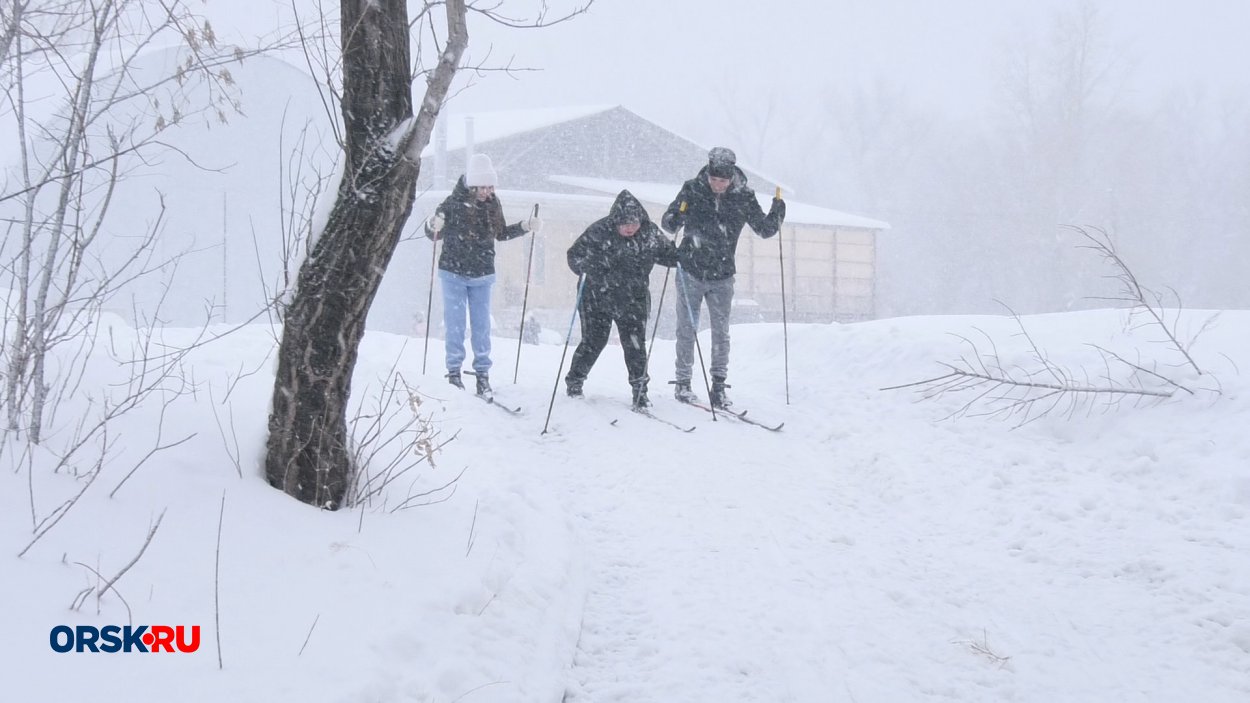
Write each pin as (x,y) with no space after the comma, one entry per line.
(453,377)
(483,386)
(639,386)
(574,386)
(718,398)
(682,392)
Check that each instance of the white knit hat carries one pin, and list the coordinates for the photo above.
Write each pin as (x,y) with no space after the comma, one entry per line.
(481,172)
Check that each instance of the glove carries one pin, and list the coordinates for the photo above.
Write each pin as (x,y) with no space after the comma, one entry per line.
(675,222)
(534,224)
(436,223)
(778,209)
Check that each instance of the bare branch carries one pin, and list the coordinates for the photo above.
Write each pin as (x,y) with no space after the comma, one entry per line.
(1032,393)
(144,548)
(417,136)
(1019,394)
(472,530)
(221,517)
(983,648)
(309,636)
(1132,291)
(1142,369)
(56,516)
(231,443)
(407,502)
(82,595)
(402,438)
(490,10)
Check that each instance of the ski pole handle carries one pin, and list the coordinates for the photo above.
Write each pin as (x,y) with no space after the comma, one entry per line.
(778,195)
(533,224)
(683,207)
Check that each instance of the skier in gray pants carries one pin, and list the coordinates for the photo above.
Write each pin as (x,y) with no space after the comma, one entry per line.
(713,207)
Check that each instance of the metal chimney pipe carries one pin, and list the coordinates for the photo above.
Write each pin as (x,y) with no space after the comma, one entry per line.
(440,155)
(468,141)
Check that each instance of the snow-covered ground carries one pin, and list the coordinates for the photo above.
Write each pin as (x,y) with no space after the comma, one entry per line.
(874,550)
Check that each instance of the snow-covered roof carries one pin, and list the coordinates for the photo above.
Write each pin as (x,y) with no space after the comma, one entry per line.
(663,193)
(498,124)
(488,126)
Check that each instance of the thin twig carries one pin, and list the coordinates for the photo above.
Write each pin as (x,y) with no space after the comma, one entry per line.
(310,631)
(409,499)
(476,689)
(144,548)
(472,529)
(1142,369)
(231,443)
(61,512)
(82,596)
(221,516)
(983,648)
(149,455)
(1132,290)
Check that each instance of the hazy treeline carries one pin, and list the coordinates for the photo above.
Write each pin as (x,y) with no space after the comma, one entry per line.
(977,206)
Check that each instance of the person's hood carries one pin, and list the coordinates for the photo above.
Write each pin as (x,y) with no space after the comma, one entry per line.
(461,191)
(626,208)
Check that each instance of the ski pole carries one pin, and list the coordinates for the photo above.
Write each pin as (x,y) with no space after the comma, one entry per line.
(659,308)
(785,332)
(581,283)
(429,303)
(529,268)
(683,291)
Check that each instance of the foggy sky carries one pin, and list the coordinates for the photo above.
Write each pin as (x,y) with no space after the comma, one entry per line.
(684,63)
(674,62)
(943,155)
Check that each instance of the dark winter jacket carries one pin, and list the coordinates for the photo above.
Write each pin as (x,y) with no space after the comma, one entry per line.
(618,268)
(714,222)
(470,229)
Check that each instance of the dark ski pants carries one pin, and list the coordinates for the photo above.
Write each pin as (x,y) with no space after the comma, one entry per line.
(596,328)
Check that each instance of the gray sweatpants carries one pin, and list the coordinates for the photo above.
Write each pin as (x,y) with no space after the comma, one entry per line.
(691,292)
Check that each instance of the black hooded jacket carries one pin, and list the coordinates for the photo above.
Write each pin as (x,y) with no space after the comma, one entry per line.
(713,224)
(470,230)
(618,268)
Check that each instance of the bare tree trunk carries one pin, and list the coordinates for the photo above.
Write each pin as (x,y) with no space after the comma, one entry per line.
(308,454)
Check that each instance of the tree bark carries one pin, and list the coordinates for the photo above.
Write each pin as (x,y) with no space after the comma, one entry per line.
(309,454)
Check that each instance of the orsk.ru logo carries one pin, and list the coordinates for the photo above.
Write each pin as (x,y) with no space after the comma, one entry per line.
(125,638)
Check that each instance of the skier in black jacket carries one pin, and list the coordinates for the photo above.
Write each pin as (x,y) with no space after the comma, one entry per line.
(713,207)
(469,222)
(616,255)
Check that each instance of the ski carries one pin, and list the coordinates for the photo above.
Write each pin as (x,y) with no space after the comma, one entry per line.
(643,412)
(583,400)
(647,413)
(740,416)
(752,421)
(491,401)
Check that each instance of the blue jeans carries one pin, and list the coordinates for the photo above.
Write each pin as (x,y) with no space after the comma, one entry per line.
(475,292)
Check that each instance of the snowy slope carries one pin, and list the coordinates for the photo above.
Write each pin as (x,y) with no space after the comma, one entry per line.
(871,551)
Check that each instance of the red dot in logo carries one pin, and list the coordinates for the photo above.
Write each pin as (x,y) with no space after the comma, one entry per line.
(148,638)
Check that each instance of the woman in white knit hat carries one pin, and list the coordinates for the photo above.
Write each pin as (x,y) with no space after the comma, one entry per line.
(469,222)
